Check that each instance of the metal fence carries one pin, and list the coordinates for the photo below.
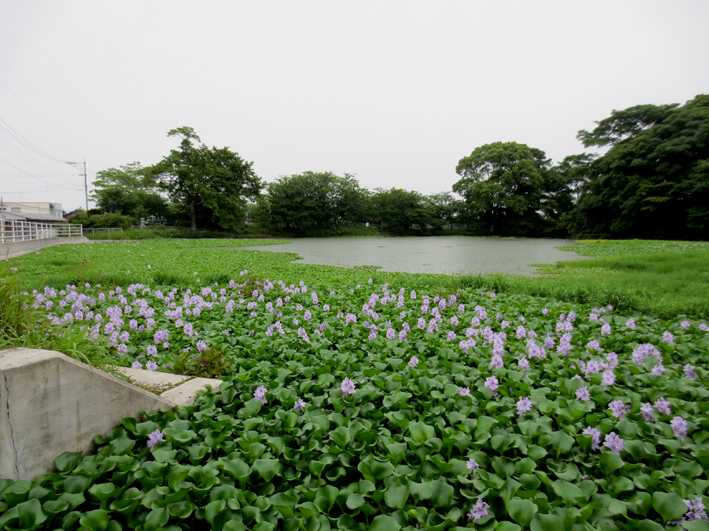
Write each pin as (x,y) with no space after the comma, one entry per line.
(13,230)
(100,230)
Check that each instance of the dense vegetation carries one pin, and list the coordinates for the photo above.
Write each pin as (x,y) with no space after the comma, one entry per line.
(652,182)
(371,405)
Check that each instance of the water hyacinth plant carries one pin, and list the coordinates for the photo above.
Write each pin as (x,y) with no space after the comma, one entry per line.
(330,422)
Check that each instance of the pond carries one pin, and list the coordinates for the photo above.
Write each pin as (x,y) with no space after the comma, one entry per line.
(451,255)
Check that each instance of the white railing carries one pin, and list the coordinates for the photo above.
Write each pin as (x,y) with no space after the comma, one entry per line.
(102,229)
(12,230)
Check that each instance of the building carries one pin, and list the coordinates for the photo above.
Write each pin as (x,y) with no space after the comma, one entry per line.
(32,207)
(32,211)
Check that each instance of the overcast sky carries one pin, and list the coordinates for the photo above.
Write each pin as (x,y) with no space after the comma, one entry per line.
(394,92)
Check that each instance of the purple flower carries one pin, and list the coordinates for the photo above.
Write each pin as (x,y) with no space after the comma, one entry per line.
(593,345)
(299,405)
(260,394)
(667,337)
(583,394)
(151,365)
(689,372)
(493,384)
(630,323)
(521,332)
(348,387)
(201,346)
(545,312)
(413,362)
(617,409)
(596,435)
(658,369)
(696,510)
(646,410)
(679,426)
(685,325)
(154,438)
(472,465)
(451,336)
(464,391)
(663,406)
(523,363)
(524,405)
(496,362)
(614,443)
(608,377)
(704,327)
(136,365)
(402,335)
(606,329)
(478,511)
(391,334)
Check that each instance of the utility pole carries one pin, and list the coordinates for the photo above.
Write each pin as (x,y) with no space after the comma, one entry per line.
(86,186)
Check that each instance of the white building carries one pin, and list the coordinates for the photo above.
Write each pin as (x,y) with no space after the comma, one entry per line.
(33,207)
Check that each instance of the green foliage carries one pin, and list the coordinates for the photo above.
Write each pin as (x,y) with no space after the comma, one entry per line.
(398,210)
(512,188)
(393,455)
(311,201)
(209,183)
(104,221)
(128,191)
(654,180)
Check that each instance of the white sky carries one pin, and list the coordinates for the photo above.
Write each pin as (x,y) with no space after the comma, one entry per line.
(395,92)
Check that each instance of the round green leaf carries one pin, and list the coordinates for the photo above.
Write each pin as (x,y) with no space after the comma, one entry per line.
(669,504)
(384,523)
(521,511)
(547,522)
(95,520)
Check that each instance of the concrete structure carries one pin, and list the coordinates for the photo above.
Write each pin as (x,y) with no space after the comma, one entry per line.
(34,207)
(11,250)
(51,404)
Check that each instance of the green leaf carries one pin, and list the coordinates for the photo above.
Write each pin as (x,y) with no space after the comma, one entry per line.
(384,523)
(649,525)
(268,468)
(381,469)
(67,461)
(561,442)
(610,462)
(421,432)
(522,511)
(507,526)
(30,514)
(355,501)
(396,496)
(568,491)
(95,520)
(442,493)
(669,505)
(547,522)
(421,491)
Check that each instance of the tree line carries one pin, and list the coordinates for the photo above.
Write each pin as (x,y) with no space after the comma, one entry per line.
(651,181)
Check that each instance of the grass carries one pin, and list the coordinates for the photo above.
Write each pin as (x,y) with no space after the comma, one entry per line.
(23,326)
(662,279)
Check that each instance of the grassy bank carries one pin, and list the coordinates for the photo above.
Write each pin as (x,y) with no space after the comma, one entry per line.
(663,279)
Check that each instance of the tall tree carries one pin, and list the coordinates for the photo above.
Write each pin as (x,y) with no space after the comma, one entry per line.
(509,187)
(311,200)
(127,190)
(209,182)
(398,210)
(653,182)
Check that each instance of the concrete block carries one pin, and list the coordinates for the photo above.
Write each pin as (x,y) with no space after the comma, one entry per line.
(51,404)
(154,380)
(14,249)
(185,394)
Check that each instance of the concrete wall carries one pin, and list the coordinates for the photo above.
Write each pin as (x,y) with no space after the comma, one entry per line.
(51,404)
(14,249)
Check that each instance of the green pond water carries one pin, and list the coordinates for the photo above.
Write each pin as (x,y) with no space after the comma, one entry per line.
(451,255)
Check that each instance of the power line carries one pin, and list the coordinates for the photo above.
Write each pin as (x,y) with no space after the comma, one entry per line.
(23,141)
(32,114)
(27,159)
